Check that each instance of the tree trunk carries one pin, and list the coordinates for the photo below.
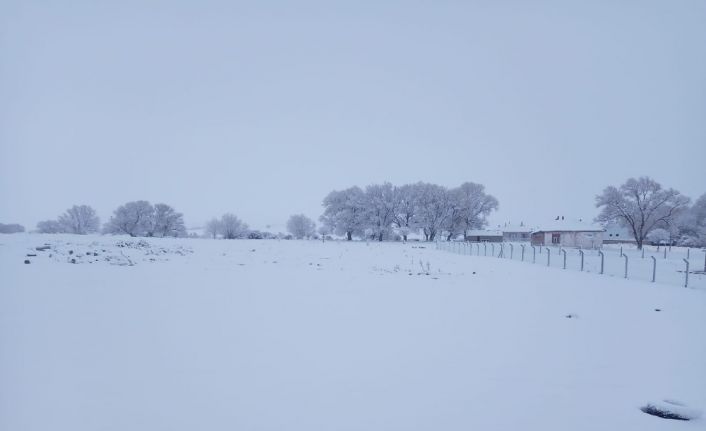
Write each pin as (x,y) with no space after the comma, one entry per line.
(404,237)
(380,237)
(349,235)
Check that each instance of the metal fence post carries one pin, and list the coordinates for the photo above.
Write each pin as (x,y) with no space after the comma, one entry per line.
(492,249)
(549,257)
(502,247)
(534,254)
(602,259)
(643,252)
(621,251)
(686,273)
(477,249)
(485,249)
(564,251)
(581,253)
(654,268)
(626,265)
(512,250)
(665,252)
(688,252)
(522,246)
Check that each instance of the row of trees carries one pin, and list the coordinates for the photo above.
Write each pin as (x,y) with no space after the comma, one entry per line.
(381,209)
(11,228)
(138,218)
(651,212)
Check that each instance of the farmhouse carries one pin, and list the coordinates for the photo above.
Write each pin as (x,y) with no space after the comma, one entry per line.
(616,234)
(484,236)
(569,234)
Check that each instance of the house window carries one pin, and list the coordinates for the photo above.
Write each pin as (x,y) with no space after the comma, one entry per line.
(556,238)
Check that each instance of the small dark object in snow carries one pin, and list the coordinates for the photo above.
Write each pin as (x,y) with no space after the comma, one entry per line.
(658,309)
(474,272)
(71,252)
(661,413)
(252,250)
(570,316)
(31,255)
(73,260)
(42,248)
(26,261)
(95,254)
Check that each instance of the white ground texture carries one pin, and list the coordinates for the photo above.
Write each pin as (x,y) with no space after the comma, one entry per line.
(291,335)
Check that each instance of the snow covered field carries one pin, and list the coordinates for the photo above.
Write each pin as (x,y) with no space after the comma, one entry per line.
(164,334)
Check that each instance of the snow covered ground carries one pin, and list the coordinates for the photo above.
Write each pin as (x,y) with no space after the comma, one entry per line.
(186,334)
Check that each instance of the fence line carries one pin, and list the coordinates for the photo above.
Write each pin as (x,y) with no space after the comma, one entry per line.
(673,271)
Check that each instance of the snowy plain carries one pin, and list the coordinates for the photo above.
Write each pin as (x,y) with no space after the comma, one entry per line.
(184,334)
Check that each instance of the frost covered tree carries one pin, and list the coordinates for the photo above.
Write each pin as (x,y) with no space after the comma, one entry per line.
(380,207)
(641,205)
(301,226)
(659,236)
(476,206)
(432,209)
(11,228)
(404,218)
(80,220)
(133,218)
(231,227)
(692,224)
(213,227)
(50,226)
(167,222)
(344,212)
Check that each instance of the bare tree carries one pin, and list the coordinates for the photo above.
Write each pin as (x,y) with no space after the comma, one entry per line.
(133,218)
(232,227)
(301,226)
(80,219)
(380,205)
(167,222)
(50,226)
(213,227)
(476,206)
(640,205)
(432,208)
(404,218)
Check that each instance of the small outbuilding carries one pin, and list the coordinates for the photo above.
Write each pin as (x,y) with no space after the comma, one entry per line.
(484,236)
(516,233)
(569,234)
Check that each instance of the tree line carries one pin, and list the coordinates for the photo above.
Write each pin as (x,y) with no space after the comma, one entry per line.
(384,210)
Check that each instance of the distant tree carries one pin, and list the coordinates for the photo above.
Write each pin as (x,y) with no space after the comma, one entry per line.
(11,228)
(641,205)
(380,207)
(167,222)
(133,218)
(475,205)
(50,226)
(80,220)
(344,212)
(432,209)
(301,226)
(213,227)
(231,227)
(404,218)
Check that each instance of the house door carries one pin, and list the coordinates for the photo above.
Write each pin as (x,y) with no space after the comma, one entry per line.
(556,238)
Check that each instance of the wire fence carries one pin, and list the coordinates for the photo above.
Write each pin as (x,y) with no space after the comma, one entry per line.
(679,266)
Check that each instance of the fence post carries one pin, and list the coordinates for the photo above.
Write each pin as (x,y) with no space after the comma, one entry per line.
(688,252)
(502,247)
(686,273)
(522,246)
(705,260)
(626,265)
(492,249)
(485,249)
(512,250)
(564,251)
(654,268)
(643,252)
(665,252)
(534,254)
(477,249)
(621,251)
(549,257)
(602,259)
(581,253)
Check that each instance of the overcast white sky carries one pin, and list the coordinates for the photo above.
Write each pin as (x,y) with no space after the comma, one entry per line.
(262,110)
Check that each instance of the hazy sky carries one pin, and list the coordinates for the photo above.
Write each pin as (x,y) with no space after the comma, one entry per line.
(261,110)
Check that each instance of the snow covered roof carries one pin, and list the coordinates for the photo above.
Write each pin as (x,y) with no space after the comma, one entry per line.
(569,226)
(482,232)
(516,228)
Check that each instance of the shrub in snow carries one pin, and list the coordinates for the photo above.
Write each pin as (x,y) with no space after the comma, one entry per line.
(301,226)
